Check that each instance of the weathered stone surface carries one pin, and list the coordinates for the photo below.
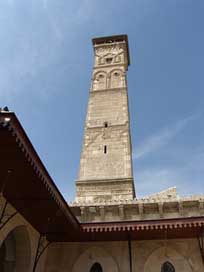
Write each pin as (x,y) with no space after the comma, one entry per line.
(147,256)
(106,164)
(162,205)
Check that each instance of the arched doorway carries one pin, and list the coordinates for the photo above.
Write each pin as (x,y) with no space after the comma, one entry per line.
(15,251)
(8,254)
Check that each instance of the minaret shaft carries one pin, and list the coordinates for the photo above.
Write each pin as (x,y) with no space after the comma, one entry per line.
(106,162)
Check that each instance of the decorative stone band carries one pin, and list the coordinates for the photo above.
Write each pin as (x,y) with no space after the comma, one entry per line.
(91,191)
(113,89)
(104,181)
(193,198)
(141,230)
(143,225)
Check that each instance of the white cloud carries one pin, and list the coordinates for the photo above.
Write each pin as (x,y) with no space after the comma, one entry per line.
(162,137)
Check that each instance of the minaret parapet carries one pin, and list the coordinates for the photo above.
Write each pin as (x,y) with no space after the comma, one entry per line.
(112,45)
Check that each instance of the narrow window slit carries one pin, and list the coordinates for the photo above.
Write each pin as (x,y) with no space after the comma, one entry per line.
(105,149)
(106,124)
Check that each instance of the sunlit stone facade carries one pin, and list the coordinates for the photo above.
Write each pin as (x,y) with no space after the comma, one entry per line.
(106,164)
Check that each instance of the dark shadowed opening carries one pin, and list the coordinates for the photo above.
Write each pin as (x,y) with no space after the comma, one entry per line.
(15,251)
(167,267)
(96,267)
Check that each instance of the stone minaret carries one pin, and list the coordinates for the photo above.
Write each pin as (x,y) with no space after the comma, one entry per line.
(106,160)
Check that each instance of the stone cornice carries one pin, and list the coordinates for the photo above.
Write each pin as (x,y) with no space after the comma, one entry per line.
(135,201)
(105,181)
(108,90)
(140,209)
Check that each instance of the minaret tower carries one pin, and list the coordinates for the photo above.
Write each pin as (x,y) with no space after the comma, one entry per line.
(106,160)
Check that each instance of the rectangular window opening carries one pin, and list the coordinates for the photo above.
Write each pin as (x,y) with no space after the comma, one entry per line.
(109,60)
(106,124)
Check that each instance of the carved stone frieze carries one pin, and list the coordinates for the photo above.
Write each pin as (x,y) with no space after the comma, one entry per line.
(108,49)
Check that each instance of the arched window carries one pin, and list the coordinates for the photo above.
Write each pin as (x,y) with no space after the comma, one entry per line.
(99,81)
(116,79)
(167,267)
(96,267)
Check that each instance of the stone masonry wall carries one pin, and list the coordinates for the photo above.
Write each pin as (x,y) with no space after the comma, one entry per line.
(147,256)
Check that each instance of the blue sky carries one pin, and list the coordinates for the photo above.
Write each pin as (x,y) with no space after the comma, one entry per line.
(45,70)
